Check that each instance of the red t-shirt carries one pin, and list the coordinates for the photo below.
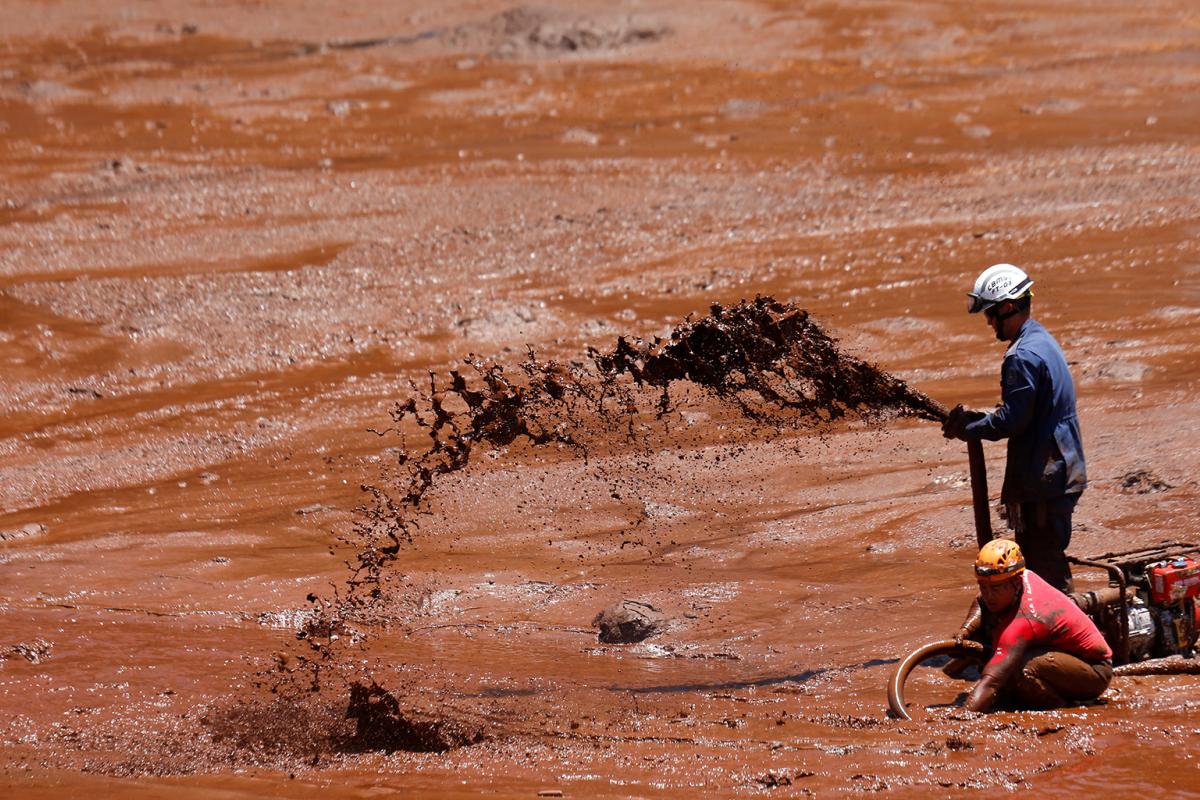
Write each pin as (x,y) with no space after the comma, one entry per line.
(1045,617)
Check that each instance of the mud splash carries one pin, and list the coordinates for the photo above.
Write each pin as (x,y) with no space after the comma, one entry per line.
(770,359)
(765,358)
(381,724)
(302,728)
(282,733)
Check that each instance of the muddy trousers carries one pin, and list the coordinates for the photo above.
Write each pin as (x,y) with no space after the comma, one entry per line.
(1053,679)
(1043,531)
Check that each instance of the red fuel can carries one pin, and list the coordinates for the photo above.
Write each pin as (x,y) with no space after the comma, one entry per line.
(1174,580)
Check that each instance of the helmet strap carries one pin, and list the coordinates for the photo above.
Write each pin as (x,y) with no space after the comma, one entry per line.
(1001,318)
(1012,313)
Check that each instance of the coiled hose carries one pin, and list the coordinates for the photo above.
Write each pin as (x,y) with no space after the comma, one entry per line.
(948,647)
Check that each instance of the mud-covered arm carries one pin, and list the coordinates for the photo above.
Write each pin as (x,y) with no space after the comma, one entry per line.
(996,675)
(1018,390)
(971,624)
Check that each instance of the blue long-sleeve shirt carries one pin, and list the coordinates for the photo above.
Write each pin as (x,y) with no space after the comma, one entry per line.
(1037,416)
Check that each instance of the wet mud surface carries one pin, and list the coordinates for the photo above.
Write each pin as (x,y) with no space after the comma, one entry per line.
(235,244)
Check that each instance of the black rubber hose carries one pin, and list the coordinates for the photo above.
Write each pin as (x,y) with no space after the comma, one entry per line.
(949,647)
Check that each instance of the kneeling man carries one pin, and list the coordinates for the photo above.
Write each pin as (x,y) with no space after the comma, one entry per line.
(1046,653)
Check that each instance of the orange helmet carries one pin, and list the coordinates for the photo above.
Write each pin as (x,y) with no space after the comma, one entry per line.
(999,560)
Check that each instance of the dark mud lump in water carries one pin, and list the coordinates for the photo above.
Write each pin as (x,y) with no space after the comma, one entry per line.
(628,621)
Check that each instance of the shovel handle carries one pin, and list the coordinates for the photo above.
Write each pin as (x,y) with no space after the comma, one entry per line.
(979,488)
(979,492)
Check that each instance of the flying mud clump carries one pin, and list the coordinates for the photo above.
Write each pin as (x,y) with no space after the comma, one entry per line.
(766,359)
(769,358)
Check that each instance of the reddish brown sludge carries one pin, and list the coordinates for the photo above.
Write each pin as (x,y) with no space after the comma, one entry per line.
(234,236)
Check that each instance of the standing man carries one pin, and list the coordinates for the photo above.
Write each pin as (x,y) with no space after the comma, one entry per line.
(1045,471)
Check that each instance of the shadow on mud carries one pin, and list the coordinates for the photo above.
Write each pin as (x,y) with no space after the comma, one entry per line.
(681,688)
(799,677)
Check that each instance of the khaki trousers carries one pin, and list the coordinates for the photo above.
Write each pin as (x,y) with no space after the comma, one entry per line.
(1053,679)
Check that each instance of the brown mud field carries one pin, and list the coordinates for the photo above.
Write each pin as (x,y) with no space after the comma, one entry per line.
(237,237)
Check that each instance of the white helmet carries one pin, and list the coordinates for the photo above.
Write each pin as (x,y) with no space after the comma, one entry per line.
(996,284)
